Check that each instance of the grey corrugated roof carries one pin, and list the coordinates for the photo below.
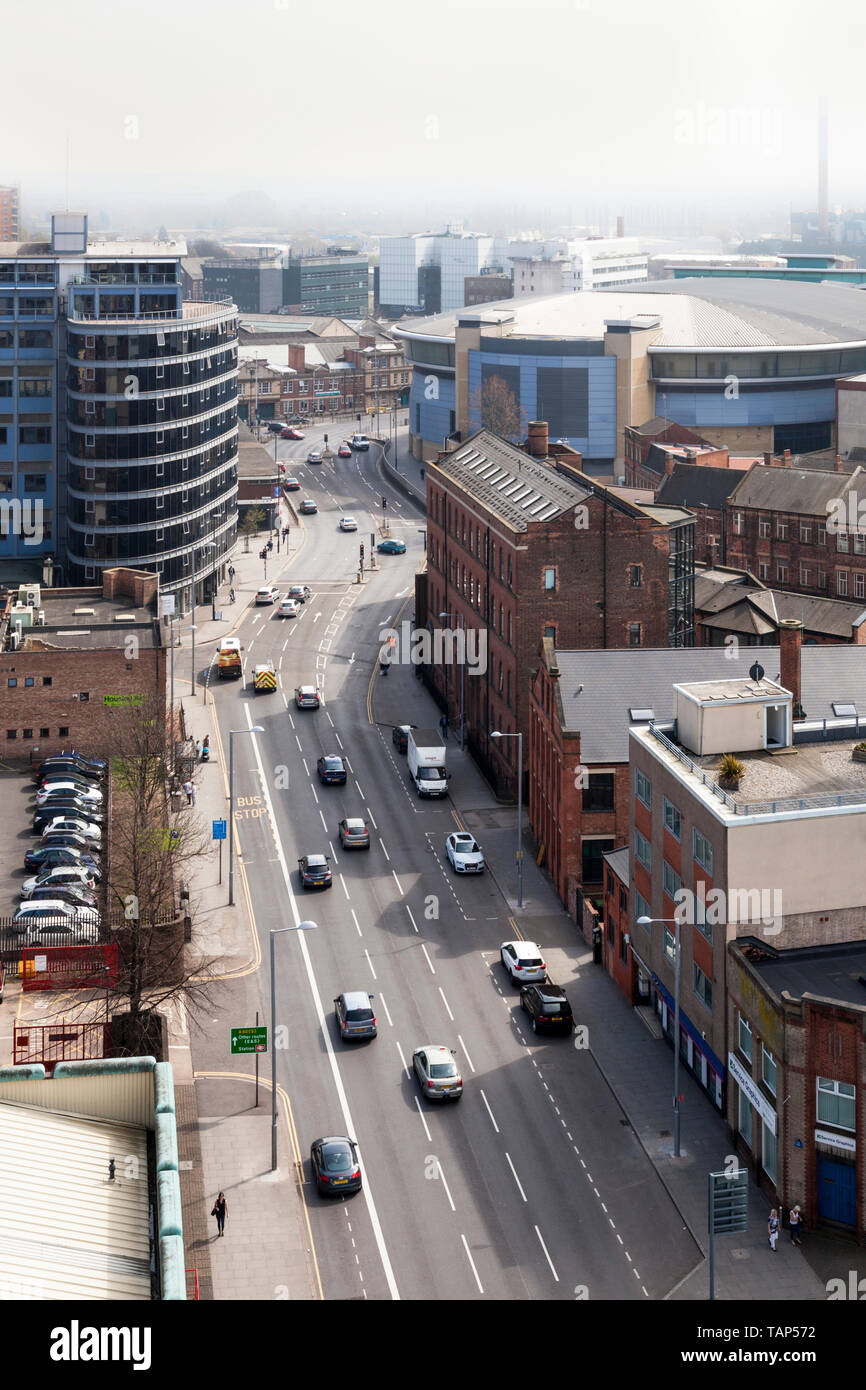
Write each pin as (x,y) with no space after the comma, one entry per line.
(691,485)
(727,609)
(804,491)
(509,482)
(643,678)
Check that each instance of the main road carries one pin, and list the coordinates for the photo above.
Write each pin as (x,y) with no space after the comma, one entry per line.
(532,1187)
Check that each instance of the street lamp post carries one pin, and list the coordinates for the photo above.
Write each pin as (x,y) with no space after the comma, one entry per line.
(672,922)
(496,733)
(256,729)
(277,931)
(171,639)
(449,616)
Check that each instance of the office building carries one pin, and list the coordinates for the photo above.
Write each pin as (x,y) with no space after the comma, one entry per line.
(10,226)
(332,284)
(426,273)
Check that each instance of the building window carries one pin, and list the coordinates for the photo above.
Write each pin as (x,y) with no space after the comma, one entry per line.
(643,850)
(768,1070)
(842,541)
(821,538)
(673,819)
(744,1037)
(643,788)
(84,696)
(12,682)
(805,533)
(670,945)
(63,731)
(551,633)
(634,634)
(43,733)
(782,574)
(764,530)
(763,571)
(822,579)
(836,1103)
(46,680)
(738,523)
(744,1124)
(597,794)
(671,881)
(11,733)
(781,529)
(29,680)
(592,852)
(860,586)
(550,579)
(842,583)
(703,852)
(805,577)
(27,733)
(623,902)
(641,909)
(768,1152)
(703,988)
(635,576)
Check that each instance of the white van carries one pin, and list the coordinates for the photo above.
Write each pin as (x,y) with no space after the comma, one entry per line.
(360,441)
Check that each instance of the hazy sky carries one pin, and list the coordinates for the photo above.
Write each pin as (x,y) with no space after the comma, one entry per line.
(422,110)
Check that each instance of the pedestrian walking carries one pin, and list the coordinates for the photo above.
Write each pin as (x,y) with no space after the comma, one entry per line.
(190,792)
(443,725)
(220,1211)
(773,1228)
(231,574)
(795,1221)
(197,750)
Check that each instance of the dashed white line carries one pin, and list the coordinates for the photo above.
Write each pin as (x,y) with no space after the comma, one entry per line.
(547,1256)
(423,1120)
(490,1113)
(370,814)
(397,881)
(360,792)
(445,1185)
(516,1178)
(306,768)
(384,851)
(472,1262)
(345,889)
(339,740)
(402,1058)
(324,822)
(427,958)
(298,742)
(468,1058)
(387,1013)
(370,963)
(445,1002)
(355,920)
(411,918)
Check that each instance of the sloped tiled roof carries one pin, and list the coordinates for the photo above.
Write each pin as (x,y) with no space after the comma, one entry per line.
(802,491)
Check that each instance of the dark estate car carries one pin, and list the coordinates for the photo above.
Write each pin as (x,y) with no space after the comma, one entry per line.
(335,1165)
(315,871)
(354,1015)
(400,737)
(548,1008)
(91,767)
(331,769)
(49,857)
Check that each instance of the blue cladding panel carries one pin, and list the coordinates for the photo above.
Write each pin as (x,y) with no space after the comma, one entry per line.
(599,372)
(698,408)
(435,396)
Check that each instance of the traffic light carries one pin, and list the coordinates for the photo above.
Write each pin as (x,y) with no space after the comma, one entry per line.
(384,504)
(326,439)
(362,552)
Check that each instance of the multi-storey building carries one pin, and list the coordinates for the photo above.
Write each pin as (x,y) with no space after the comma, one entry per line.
(253,283)
(128,451)
(511,539)
(10,226)
(426,272)
(332,284)
(732,607)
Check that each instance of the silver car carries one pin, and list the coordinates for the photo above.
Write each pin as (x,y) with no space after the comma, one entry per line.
(436,1072)
(355,1014)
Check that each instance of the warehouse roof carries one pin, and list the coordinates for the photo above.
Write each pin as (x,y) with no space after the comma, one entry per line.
(808,492)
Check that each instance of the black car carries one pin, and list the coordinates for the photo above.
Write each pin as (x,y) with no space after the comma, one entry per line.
(315,871)
(275,426)
(335,1165)
(69,839)
(63,893)
(67,806)
(400,737)
(61,857)
(95,767)
(331,769)
(548,1008)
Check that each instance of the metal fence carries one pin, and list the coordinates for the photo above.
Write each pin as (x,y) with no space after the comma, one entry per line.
(50,1043)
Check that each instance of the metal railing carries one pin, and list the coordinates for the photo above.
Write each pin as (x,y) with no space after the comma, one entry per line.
(188,311)
(816,802)
(106,277)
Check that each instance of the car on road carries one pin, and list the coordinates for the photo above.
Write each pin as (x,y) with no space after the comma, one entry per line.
(52,791)
(301,592)
(291,485)
(290,432)
(465,853)
(335,1166)
(355,1017)
(360,442)
(354,833)
(548,1008)
(308,507)
(269,594)
(288,608)
(314,456)
(331,768)
(307,697)
(61,875)
(391,547)
(49,911)
(61,857)
(436,1072)
(523,961)
(54,811)
(62,825)
(348,523)
(96,767)
(344,452)
(297,420)
(400,737)
(315,871)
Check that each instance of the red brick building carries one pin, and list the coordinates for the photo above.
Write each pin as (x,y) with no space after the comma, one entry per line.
(521,547)
(616,931)
(639,439)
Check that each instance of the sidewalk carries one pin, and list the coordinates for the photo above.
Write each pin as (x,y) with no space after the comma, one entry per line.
(637,1067)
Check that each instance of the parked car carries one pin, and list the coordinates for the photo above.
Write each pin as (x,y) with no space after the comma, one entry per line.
(97,766)
(307,697)
(291,485)
(335,1166)
(53,791)
(354,833)
(67,767)
(61,824)
(301,592)
(54,811)
(355,1017)
(68,839)
(62,934)
(288,608)
(61,856)
(308,507)
(48,912)
(548,1008)
(436,1072)
(268,594)
(465,853)
(344,452)
(77,779)
(331,768)
(314,456)
(63,875)
(391,547)
(76,897)
(297,420)
(315,871)
(523,961)
(400,737)
(348,523)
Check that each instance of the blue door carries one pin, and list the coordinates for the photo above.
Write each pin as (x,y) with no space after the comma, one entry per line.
(837,1195)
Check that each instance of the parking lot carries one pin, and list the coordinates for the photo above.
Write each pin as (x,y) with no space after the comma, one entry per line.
(18,793)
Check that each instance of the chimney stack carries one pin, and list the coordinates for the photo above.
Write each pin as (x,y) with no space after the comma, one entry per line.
(837,467)
(768,459)
(790,647)
(786,459)
(537,439)
(669,463)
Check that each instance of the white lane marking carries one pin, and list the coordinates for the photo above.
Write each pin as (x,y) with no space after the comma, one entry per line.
(306,769)
(349,766)
(355,920)
(549,1260)
(490,1113)
(445,1002)
(384,851)
(427,958)
(411,918)
(397,881)
(345,889)
(330,720)
(339,740)
(324,822)
(320,1013)
(387,1014)
(331,848)
(291,720)
(445,1185)
(370,814)
(285,644)
(370,963)
(516,1178)
(315,795)
(360,791)
(403,1060)
(463,1045)
(316,617)
(298,742)
(472,1262)
(423,1120)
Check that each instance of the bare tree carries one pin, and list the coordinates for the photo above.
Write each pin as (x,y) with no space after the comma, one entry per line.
(250,524)
(498,409)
